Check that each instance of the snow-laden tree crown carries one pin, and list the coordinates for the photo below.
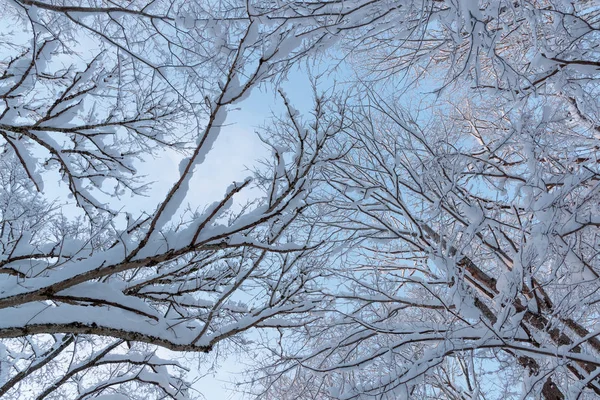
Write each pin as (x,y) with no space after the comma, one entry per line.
(427,229)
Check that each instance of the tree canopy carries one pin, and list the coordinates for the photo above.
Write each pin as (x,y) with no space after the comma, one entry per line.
(428,229)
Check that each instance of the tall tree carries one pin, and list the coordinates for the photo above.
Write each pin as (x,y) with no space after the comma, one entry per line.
(471,268)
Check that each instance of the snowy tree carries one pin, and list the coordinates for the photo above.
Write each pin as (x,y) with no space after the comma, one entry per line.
(91,286)
(443,250)
(469,268)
